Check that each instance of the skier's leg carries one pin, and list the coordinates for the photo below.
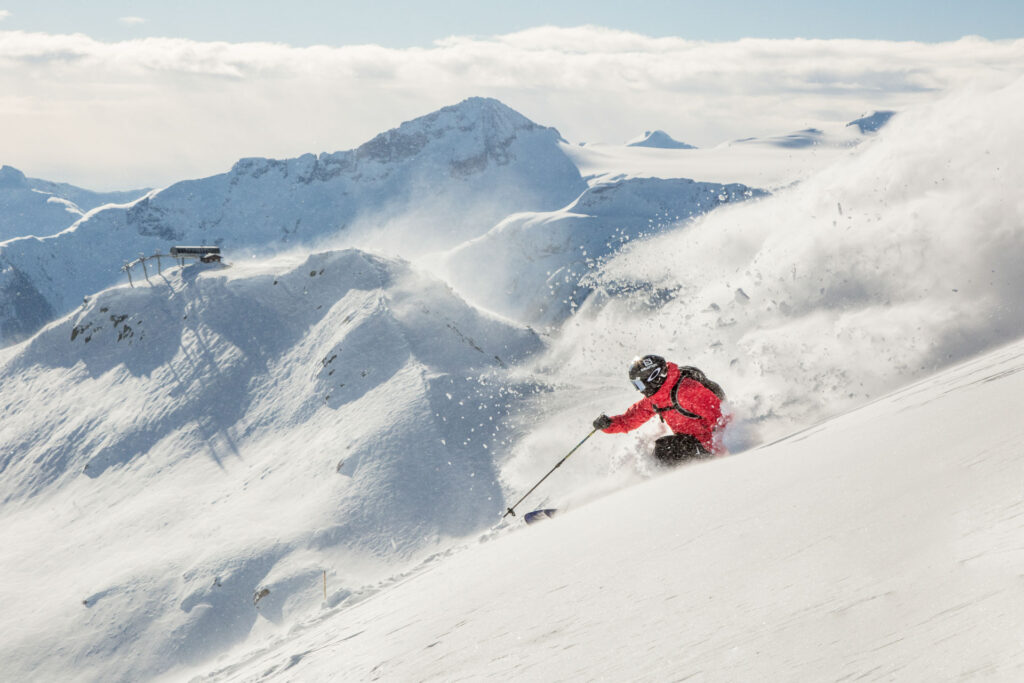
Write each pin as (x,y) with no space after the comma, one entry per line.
(679,448)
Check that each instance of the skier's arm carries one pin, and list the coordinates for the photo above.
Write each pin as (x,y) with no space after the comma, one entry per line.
(638,413)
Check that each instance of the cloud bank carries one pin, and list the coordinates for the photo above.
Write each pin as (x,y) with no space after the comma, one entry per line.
(152,111)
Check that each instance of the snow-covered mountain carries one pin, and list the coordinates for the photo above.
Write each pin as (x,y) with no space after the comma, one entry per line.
(809,137)
(281,469)
(771,162)
(30,206)
(530,266)
(223,433)
(852,134)
(429,184)
(658,139)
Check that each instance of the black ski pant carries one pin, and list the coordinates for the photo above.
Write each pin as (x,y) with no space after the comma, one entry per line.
(678,449)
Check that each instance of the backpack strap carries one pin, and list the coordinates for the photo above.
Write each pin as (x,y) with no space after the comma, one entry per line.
(675,403)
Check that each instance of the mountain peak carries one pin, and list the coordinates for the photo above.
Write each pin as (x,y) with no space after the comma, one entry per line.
(873,122)
(478,130)
(478,104)
(484,111)
(12,177)
(658,139)
(459,170)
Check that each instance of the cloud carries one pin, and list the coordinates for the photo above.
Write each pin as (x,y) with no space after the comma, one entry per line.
(155,110)
(132,21)
(4,14)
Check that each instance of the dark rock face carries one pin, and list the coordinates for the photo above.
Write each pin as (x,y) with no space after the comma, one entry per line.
(24,308)
(872,123)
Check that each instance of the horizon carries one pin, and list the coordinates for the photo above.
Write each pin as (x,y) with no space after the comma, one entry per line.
(95,98)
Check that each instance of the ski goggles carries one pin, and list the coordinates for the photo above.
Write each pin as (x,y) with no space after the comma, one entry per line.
(639,384)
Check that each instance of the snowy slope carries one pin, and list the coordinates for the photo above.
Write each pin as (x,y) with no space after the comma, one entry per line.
(184,461)
(530,265)
(29,206)
(429,184)
(169,451)
(24,211)
(883,544)
(84,199)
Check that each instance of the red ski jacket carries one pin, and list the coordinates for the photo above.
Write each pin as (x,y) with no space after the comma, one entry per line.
(693,397)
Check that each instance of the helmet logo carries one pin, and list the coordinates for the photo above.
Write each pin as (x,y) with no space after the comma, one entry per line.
(648,373)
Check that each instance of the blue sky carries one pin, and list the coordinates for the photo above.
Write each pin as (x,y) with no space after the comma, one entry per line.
(393,23)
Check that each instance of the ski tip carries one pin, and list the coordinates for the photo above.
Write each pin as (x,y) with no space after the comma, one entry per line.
(538,515)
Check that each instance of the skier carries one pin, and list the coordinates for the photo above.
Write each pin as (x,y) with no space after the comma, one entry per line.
(685,400)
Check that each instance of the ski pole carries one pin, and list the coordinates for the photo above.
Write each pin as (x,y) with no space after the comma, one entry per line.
(512,510)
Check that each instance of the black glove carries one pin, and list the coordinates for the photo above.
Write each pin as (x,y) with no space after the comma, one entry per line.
(603,422)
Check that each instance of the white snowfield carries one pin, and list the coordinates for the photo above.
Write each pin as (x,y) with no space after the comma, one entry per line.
(290,468)
(884,544)
(767,163)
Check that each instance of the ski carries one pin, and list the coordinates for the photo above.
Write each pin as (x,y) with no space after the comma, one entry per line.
(538,515)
